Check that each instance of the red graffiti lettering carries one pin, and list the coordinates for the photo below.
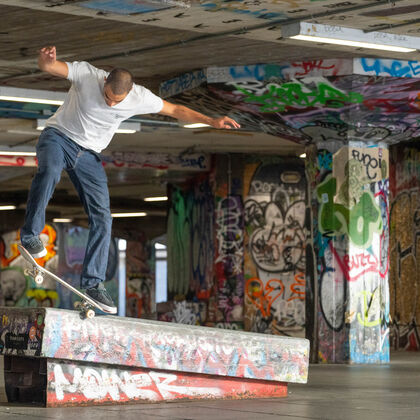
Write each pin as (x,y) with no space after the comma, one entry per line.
(263,297)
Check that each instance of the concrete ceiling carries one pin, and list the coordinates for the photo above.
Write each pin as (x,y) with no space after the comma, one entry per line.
(173,38)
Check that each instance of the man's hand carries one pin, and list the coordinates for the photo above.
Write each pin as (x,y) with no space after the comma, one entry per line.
(182,113)
(224,122)
(47,57)
(47,61)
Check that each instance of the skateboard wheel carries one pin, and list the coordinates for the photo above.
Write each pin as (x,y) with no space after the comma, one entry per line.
(77,304)
(90,313)
(39,279)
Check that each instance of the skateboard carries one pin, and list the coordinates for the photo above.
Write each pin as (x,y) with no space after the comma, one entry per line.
(85,306)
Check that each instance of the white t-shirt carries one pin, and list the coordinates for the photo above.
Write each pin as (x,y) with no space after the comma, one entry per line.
(86,118)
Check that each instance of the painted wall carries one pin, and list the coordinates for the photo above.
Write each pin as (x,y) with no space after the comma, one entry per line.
(250,242)
(71,249)
(229,242)
(275,239)
(65,246)
(18,289)
(190,241)
(351,233)
(404,274)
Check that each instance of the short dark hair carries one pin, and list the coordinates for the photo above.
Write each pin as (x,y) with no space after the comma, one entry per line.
(120,80)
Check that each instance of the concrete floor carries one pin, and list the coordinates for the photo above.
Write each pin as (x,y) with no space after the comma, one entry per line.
(333,392)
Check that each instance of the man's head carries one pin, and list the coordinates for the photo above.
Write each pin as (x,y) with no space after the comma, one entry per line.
(117,86)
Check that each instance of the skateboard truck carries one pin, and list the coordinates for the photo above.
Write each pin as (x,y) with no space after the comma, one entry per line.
(36,274)
(85,309)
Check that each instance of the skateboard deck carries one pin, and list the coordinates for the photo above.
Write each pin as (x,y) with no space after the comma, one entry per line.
(85,306)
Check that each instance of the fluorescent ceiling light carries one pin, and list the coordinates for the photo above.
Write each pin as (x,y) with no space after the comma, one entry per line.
(7,207)
(339,35)
(33,100)
(159,246)
(124,128)
(125,131)
(138,214)
(62,220)
(156,198)
(122,245)
(9,153)
(31,95)
(40,124)
(195,125)
(303,155)
(357,44)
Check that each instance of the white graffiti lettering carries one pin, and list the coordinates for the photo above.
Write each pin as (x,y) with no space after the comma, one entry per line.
(97,384)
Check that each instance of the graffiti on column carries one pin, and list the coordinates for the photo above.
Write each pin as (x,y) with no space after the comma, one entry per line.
(190,242)
(178,245)
(351,231)
(405,248)
(202,250)
(140,288)
(275,238)
(230,257)
(227,310)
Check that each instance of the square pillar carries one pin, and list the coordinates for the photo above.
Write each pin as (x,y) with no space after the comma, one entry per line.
(350,237)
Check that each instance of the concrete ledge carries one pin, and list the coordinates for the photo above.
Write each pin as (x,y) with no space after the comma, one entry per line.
(110,359)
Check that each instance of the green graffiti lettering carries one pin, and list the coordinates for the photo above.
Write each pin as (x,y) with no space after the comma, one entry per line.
(359,222)
(294,94)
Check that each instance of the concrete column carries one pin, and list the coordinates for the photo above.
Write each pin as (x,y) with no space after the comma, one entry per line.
(350,239)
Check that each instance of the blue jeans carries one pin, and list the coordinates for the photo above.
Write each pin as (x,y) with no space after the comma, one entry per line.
(55,152)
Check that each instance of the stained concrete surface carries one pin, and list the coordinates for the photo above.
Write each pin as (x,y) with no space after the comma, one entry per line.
(341,392)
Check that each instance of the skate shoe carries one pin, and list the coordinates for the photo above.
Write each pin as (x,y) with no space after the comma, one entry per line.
(99,294)
(35,247)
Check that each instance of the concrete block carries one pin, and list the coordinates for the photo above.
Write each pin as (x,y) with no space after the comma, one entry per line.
(112,359)
(86,384)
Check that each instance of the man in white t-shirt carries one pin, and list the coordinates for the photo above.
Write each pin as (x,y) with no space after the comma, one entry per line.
(82,127)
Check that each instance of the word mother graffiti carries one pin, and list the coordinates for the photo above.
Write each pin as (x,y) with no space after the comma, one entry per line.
(91,383)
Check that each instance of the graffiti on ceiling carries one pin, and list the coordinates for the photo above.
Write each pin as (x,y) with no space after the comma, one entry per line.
(364,99)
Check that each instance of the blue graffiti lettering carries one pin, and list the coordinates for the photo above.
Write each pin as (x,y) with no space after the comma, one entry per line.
(394,68)
(196,162)
(258,72)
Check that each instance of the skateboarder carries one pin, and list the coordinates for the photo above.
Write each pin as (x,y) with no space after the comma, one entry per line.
(82,127)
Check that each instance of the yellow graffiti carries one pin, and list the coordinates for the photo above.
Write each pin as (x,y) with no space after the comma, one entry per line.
(363,318)
(41,294)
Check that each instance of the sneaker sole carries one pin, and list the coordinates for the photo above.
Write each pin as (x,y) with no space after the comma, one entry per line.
(41,254)
(108,309)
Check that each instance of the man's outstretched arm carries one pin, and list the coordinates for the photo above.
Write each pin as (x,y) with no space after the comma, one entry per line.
(47,61)
(182,113)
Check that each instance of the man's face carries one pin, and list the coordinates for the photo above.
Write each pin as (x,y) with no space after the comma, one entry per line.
(111,98)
